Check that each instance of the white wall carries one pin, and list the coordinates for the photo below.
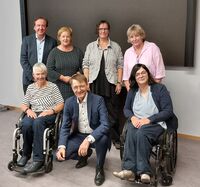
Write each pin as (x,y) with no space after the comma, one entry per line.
(184,83)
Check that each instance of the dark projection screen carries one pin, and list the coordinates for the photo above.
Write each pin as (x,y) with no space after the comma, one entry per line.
(168,23)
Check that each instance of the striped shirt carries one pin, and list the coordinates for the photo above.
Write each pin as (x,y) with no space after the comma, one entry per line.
(43,98)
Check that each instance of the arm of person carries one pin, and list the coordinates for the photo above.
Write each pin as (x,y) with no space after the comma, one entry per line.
(119,80)
(165,103)
(127,85)
(28,111)
(26,66)
(61,153)
(128,112)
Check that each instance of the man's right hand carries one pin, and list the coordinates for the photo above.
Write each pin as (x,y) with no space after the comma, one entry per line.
(61,154)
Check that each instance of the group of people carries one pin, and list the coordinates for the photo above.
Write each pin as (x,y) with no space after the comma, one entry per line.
(87,87)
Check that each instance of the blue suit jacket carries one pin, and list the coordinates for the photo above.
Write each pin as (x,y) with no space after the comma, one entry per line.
(28,55)
(97,117)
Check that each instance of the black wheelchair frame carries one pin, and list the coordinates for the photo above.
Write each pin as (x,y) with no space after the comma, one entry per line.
(50,141)
(164,155)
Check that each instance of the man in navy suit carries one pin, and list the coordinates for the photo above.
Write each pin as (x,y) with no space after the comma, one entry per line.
(35,48)
(85,125)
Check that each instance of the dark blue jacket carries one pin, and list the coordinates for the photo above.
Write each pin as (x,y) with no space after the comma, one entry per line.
(163,102)
(28,55)
(97,117)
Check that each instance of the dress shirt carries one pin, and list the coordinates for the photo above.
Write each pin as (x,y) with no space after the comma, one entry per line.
(149,56)
(40,48)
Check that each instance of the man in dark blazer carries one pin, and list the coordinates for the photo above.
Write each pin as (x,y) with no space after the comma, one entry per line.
(35,48)
(85,125)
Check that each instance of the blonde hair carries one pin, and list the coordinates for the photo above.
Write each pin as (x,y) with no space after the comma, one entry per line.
(136,30)
(64,29)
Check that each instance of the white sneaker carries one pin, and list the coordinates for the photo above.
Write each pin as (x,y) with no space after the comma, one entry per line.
(125,174)
(145,178)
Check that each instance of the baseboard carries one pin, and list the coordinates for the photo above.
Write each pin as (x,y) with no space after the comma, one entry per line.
(188,137)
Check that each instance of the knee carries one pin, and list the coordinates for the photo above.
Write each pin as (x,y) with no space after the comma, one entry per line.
(26,125)
(38,123)
(103,140)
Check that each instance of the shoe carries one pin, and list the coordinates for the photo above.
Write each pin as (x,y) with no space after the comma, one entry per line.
(145,178)
(22,161)
(99,177)
(33,167)
(125,174)
(83,160)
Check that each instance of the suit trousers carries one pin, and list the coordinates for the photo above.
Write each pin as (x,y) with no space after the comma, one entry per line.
(138,146)
(100,146)
(32,131)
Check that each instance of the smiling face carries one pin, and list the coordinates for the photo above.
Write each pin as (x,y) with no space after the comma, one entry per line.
(103,31)
(40,27)
(39,76)
(80,89)
(141,76)
(65,39)
(136,40)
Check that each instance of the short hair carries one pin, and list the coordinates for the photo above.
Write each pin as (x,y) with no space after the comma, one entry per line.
(43,19)
(64,29)
(136,29)
(102,22)
(78,77)
(40,66)
(132,80)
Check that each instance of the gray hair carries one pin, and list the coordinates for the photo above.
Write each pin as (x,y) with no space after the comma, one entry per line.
(40,66)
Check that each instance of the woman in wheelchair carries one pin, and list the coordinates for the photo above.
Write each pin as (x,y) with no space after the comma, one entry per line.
(41,103)
(148,106)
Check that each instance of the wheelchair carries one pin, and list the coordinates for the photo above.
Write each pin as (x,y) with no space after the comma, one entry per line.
(163,156)
(50,141)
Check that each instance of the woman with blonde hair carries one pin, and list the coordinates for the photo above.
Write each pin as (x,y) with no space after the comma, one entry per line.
(143,52)
(64,61)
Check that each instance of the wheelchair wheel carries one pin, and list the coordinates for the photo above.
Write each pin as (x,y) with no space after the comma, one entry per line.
(172,156)
(11,165)
(166,180)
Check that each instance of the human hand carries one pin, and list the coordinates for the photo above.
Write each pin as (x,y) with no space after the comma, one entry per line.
(118,88)
(82,151)
(61,154)
(135,121)
(31,114)
(46,113)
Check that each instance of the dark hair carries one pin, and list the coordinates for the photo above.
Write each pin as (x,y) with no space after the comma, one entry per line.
(132,80)
(43,19)
(101,22)
(78,77)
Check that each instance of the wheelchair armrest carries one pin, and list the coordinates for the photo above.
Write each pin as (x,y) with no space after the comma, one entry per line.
(22,115)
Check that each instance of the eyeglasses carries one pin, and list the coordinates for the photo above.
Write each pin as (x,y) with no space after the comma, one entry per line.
(103,29)
(139,74)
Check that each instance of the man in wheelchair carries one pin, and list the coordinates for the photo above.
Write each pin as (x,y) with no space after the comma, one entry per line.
(41,103)
(148,106)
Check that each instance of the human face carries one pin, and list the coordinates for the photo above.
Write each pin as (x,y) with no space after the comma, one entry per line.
(103,31)
(80,89)
(40,27)
(65,39)
(136,40)
(39,76)
(141,76)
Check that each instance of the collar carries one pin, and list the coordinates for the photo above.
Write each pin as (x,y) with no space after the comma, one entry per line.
(84,100)
(41,39)
(109,43)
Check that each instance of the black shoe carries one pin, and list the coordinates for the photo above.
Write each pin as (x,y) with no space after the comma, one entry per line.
(99,177)
(83,160)
(33,167)
(22,161)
